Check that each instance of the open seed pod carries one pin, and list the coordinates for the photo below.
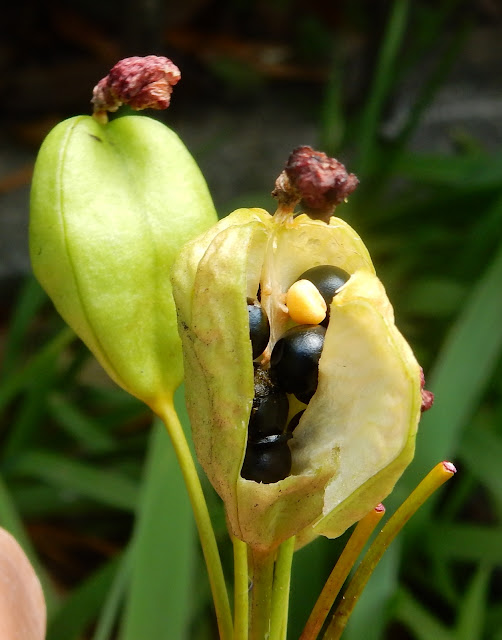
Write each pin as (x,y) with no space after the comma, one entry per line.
(111,204)
(360,413)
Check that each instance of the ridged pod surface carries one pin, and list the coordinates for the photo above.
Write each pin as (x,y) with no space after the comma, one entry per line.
(357,433)
(111,205)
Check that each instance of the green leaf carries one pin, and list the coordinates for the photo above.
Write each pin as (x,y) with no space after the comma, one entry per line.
(470,621)
(79,426)
(416,617)
(469,172)
(107,487)
(110,611)
(382,82)
(29,302)
(481,451)
(31,411)
(461,373)
(34,367)
(465,542)
(81,607)
(311,567)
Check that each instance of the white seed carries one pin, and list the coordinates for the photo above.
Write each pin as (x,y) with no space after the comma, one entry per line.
(305,304)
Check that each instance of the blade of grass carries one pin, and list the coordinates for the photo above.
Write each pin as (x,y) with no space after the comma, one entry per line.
(114,597)
(465,542)
(433,84)
(427,93)
(82,606)
(427,32)
(461,373)
(418,619)
(37,501)
(106,487)
(485,233)
(469,172)
(494,620)
(382,82)
(31,411)
(311,568)
(29,302)
(163,550)
(443,582)
(332,127)
(83,429)
(35,366)
(481,451)
(471,617)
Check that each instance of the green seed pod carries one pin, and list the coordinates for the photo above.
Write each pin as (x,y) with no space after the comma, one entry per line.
(357,432)
(111,205)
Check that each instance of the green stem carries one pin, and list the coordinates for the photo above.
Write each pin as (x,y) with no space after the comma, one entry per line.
(241,590)
(434,479)
(261,594)
(341,570)
(280,591)
(168,415)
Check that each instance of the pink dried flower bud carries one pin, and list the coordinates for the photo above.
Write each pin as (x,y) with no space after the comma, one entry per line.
(140,82)
(449,467)
(321,182)
(427,396)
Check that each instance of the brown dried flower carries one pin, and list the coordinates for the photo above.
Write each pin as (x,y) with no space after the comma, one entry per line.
(320,182)
(140,82)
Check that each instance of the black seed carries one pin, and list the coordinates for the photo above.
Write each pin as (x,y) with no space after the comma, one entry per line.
(267,461)
(259,329)
(295,360)
(328,279)
(293,423)
(270,408)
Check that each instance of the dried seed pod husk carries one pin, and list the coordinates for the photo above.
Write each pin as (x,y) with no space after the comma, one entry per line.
(357,433)
(111,205)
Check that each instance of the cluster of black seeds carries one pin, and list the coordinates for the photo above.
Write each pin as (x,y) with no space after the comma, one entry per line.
(268,458)
(294,369)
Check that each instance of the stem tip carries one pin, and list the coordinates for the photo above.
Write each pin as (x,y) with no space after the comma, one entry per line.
(449,467)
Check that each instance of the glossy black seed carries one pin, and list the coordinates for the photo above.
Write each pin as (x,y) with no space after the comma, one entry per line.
(293,423)
(328,279)
(270,408)
(267,461)
(259,329)
(295,360)
(268,415)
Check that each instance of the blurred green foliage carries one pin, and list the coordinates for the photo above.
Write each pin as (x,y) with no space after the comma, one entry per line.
(82,471)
